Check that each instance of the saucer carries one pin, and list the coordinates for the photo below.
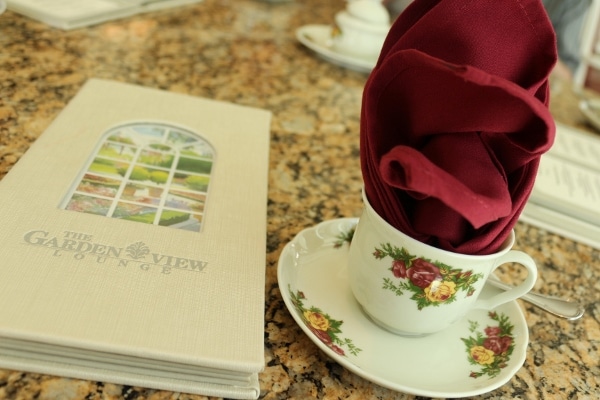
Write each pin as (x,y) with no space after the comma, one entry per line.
(318,39)
(315,288)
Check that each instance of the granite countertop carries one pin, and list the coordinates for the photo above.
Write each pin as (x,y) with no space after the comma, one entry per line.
(245,51)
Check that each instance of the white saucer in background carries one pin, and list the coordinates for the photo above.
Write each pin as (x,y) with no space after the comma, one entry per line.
(318,39)
(315,288)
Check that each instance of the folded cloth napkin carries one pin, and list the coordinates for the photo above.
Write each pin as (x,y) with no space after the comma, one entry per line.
(455,118)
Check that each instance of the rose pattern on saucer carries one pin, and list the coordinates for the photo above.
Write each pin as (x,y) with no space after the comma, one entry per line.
(490,349)
(432,283)
(325,328)
(344,237)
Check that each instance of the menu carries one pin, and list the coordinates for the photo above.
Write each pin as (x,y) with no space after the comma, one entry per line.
(134,243)
(70,14)
(566,195)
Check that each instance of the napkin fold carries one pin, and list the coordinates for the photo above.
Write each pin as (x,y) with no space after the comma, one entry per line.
(455,118)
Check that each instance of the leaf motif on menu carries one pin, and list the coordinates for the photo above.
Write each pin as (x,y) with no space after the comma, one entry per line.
(137,250)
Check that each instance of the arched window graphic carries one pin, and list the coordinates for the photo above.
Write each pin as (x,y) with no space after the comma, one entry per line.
(152,173)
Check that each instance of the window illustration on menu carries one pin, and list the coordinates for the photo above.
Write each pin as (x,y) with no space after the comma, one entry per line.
(151,173)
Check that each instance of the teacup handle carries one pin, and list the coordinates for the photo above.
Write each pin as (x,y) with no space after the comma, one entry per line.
(513,256)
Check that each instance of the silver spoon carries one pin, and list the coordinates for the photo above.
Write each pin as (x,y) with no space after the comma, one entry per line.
(567,309)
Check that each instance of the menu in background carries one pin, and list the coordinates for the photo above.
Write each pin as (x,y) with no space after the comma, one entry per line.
(71,14)
(566,195)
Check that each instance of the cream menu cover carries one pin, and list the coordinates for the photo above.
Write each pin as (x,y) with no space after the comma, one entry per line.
(566,195)
(133,243)
(72,14)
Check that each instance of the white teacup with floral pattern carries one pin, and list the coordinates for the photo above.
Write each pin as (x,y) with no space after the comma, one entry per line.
(413,289)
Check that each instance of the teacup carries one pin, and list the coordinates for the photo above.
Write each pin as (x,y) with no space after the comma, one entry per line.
(358,36)
(414,289)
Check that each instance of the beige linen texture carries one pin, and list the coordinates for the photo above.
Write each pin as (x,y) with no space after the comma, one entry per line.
(211,319)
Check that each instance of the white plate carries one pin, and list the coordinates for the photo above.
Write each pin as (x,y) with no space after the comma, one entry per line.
(315,288)
(318,39)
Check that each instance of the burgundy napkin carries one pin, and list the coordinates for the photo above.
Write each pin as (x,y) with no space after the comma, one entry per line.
(455,119)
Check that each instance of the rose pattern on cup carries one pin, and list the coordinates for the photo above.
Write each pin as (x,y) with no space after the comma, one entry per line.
(492,348)
(325,328)
(431,283)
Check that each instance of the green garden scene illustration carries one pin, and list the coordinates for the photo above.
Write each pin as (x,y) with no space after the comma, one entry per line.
(147,172)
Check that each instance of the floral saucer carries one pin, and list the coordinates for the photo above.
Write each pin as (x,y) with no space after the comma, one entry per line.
(474,356)
(318,39)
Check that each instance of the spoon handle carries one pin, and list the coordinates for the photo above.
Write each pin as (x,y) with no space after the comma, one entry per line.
(567,309)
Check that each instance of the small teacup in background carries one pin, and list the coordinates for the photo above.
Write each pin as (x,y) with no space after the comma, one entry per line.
(361,28)
(413,289)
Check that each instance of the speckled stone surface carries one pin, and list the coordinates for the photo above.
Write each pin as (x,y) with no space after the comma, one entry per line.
(245,51)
